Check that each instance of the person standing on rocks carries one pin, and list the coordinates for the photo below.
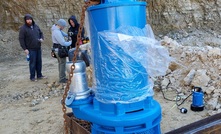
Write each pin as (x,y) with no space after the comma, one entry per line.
(59,41)
(30,38)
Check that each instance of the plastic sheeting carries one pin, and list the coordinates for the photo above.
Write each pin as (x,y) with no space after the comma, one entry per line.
(130,56)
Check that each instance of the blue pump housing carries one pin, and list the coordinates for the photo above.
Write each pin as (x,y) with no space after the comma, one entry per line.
(197,99)
(109,112)
(110,16)
(134,118)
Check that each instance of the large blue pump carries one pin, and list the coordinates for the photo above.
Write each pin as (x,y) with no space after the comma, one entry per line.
(115,106)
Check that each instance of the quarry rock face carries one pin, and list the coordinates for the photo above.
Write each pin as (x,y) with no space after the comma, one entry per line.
(163,15)
(167,15)
(45,12)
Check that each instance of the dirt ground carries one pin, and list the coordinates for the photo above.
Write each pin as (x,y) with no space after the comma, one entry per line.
(34,107)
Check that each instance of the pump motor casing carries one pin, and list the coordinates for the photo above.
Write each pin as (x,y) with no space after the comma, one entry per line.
(197,99)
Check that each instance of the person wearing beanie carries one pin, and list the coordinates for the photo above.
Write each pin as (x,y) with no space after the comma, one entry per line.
(59,41)
(30,39)
(62,23)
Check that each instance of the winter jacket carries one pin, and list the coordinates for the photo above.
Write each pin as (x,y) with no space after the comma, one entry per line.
(29,35)
(58,36)
(74,30)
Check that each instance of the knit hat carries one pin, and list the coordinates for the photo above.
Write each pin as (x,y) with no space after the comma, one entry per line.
(61,22)
(27,16)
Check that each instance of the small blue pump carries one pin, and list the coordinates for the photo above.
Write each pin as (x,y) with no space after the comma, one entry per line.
(108,105)
(197,99)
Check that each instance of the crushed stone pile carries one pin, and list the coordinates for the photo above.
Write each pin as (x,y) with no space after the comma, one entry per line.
(194,66)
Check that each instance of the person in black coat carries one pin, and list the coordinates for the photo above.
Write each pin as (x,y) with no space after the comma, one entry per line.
(73,30)
(30,38)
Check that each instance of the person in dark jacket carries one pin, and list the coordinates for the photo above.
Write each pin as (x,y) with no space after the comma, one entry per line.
(73,30)
(30,38)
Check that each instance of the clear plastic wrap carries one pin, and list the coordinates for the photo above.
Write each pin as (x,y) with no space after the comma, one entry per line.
(130,56)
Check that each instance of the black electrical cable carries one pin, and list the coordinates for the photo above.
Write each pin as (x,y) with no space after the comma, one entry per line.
(178,98)
(166,97)
(183,100)
(182,110)
(164,94)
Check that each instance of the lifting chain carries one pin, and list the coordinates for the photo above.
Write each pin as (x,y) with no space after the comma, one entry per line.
(77,44)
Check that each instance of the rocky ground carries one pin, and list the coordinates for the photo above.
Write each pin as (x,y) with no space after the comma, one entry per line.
(34,107)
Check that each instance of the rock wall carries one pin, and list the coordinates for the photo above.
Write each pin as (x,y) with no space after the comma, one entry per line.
(45,12)
(163,15)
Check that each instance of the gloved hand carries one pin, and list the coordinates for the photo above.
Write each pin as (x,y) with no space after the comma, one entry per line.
(40,40)
(70,33)
(70,42)
(69,38)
